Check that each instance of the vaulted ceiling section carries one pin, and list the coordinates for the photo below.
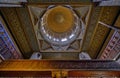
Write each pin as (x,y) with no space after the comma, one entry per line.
(22,23)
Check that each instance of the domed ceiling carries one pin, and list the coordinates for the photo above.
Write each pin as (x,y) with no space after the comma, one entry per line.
(60,27)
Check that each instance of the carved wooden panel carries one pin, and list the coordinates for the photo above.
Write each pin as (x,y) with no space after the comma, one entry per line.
(60,55)
(60,68)
(44,65)
(15,26)
(24,74)
(91,27)
(111,49)
(107,16)
(93,74)
(25,20)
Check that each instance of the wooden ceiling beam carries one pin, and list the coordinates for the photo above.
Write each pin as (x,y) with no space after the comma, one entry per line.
(48,65)
(48,68)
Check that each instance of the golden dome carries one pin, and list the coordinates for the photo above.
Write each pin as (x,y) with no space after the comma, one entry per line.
(58,25)
(59,19)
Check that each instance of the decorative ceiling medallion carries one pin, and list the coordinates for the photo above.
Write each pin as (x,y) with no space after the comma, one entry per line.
(60,25)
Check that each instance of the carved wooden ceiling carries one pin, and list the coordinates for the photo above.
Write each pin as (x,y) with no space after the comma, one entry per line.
(23,23)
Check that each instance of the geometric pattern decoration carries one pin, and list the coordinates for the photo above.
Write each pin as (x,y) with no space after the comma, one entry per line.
(15,26)
(7,47)
(109,2)
(45,45)
(27,26)
(83,11)
(36,12)
(112,49)
(91,27)
(75,45)
(101,31)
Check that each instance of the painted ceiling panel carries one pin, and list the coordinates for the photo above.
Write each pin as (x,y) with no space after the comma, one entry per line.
(107,16)
(23,24)
(28,28)
(15,27)
(91,27)
(8,48)
(111,47)
(60,55)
